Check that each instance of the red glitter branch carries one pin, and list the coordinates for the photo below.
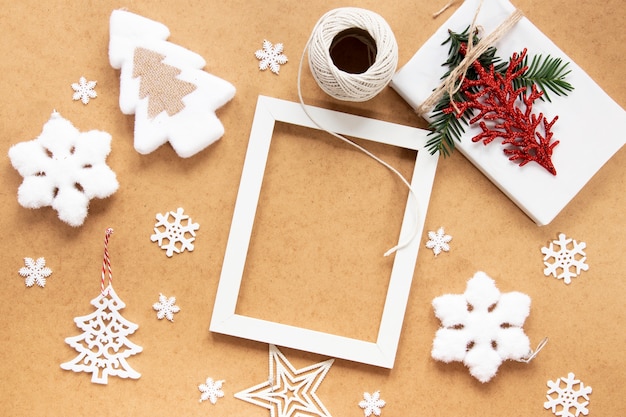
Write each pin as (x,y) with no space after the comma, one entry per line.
(496,100)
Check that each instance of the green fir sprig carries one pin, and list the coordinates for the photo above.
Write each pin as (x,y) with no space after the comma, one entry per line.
(548,74)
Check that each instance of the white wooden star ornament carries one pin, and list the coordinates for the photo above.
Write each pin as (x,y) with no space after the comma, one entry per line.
(289,392)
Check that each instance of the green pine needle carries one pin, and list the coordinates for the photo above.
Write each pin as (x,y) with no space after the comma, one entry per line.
(547,73)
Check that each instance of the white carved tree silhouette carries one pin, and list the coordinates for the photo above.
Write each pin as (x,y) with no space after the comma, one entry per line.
(104,347)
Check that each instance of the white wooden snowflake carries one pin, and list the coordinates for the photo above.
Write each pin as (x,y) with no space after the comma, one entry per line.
(569,255)
(84,90)
(271,57)
(64,168)
(482,327)
(166,307)
(211,390)
(571,394)
(372,404)
(174,236)
(438,241)
(35,272)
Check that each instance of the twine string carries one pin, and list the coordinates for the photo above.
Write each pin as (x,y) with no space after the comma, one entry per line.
(343,85)
(474,51)
(106,261)
(533,353)
(412,192)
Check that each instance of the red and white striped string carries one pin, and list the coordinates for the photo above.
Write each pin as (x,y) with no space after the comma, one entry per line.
(106,261)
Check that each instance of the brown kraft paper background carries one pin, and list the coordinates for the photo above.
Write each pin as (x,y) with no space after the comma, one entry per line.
(326,215)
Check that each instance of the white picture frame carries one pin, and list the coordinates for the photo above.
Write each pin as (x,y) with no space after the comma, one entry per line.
(225,320)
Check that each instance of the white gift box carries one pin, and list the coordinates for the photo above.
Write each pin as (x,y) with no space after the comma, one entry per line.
(589,128)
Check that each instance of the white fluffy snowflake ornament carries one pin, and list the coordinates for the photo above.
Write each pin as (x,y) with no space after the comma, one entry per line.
(164,86)
(481,327)
(64,169)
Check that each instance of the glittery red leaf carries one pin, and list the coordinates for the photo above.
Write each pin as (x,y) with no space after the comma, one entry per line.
(504,112)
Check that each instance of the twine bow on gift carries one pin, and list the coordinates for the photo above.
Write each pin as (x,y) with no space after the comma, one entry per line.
(474,51)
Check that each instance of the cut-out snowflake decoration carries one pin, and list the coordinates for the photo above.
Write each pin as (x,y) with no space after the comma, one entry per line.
(271,56)
(174,236)
(64,168)
(570,254)
(372,403)
(211,390)
(289,392)
(570,394)
(84,90)
(438,241)
(166,307)
(482,327)
(35,272)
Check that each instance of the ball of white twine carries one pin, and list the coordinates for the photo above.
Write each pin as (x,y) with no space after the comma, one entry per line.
(338,83)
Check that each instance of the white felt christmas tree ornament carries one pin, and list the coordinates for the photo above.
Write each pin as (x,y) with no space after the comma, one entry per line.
(482,327)
(64,168)
(164,86)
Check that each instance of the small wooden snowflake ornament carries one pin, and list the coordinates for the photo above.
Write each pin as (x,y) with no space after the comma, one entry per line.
(211,390)
(35,271)
(166,307)
(271,56)
(564,258)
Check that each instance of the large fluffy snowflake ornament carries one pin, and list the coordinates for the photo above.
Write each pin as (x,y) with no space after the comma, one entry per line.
(164,85)
(64,168)
(174,236)
(211,390)
(35,272)
(572,397)
(372,404)
(271,56)
(567,261)
(481,327)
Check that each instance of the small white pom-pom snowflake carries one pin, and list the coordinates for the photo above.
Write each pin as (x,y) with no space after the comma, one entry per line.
(84,90)
(482,327)
(571,394)
(372,403)
(176,236)
(166,307)
(569,255)
(35,272)
(271,57)
(211,390)
(438,241)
